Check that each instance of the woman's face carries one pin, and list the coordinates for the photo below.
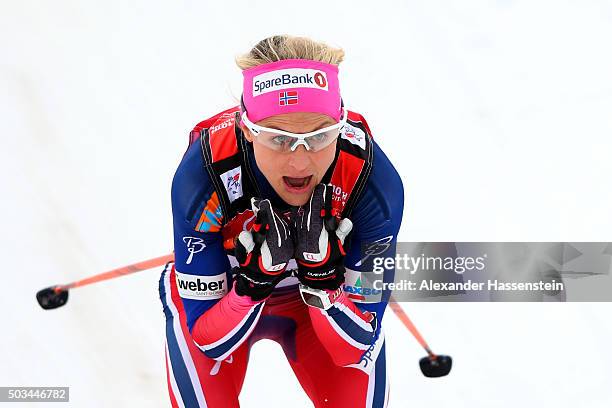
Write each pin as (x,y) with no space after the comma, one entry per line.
(294,175)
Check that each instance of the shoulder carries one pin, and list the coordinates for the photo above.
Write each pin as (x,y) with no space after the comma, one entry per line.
(380,207)
(385,182)
(191,186)
(192,190)
(191,180)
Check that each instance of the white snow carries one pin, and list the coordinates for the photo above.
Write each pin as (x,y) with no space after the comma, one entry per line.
(497,115)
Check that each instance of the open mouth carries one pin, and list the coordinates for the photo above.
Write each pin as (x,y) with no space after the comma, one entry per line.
(297,183)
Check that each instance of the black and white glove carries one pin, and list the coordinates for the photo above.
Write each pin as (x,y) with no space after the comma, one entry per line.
(262,252)
(319,237)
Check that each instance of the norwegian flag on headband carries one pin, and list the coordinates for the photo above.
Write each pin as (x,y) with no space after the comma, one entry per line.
(288,98)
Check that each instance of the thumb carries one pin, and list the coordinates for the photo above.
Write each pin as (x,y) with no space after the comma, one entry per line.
(255,205)
(246,240)
(344,228)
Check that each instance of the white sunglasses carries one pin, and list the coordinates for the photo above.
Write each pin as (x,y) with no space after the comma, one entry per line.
(283,141)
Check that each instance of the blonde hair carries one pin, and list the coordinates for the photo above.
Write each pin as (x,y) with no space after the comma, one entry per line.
(282,47)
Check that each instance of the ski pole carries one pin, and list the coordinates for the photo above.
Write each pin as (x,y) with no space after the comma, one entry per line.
(401,314)
(56,296)
(432,365)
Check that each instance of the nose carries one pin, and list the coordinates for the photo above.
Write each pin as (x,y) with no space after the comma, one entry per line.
(299,160)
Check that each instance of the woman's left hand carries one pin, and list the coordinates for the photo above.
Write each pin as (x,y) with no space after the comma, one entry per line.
(319,237)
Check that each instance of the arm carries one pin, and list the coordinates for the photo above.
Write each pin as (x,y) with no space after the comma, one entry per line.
(353,324)
(218,319)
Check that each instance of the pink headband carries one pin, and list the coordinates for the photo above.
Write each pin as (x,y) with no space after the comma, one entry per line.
(293,85)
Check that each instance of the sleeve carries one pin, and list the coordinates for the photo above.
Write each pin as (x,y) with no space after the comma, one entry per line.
(352,327)
(219,320)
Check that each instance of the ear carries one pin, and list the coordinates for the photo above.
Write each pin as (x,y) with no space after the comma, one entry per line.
(247,134)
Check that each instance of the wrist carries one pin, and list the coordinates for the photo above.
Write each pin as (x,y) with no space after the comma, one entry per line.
(319,298)
(249,287)
(239,301)
(322,278)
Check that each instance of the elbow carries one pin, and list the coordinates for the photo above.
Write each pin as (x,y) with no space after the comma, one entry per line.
(209,347)
(211,353)
(348,357)
(204,340)
(344,361)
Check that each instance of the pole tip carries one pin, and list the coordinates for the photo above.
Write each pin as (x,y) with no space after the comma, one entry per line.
(52,297)
(437,366)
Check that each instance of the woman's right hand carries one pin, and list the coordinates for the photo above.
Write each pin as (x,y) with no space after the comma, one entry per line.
(263,253)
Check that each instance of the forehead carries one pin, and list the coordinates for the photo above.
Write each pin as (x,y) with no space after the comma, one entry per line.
(297,120)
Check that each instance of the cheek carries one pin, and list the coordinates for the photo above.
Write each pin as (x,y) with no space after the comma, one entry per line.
(325,158)
(268,161)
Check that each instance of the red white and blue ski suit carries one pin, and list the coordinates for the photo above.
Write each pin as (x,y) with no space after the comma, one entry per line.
(338,355)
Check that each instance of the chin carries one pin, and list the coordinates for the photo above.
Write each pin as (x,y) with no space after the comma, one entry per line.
(294,199)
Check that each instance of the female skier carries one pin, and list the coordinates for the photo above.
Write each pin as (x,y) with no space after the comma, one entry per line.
(272,203)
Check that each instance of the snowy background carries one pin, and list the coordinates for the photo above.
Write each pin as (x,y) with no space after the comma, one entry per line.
(496,113)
